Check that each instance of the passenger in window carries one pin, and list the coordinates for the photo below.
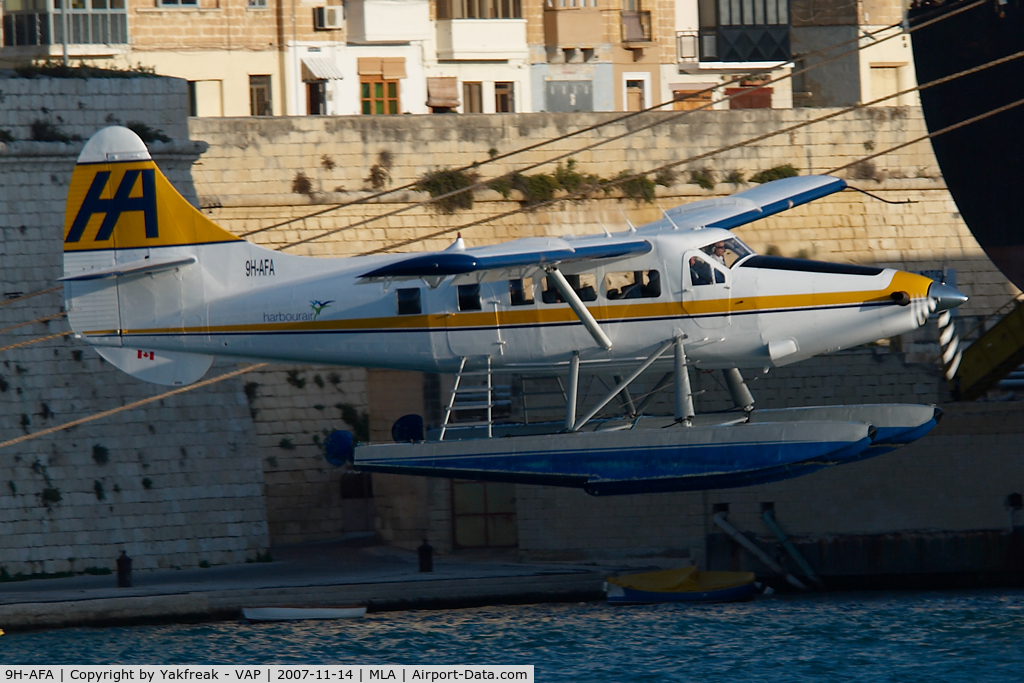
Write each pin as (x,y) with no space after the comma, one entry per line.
(652,290)
(700,272)
(638,284)
(521,291)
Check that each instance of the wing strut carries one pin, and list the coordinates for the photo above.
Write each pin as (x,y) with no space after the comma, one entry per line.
(581,311)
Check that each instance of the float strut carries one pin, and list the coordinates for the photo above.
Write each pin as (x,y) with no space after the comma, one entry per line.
(684,397)
(653,394)
(573,390)
(627,400)
(741,396)
(621,385)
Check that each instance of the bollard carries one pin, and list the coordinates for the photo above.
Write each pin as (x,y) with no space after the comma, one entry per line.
(426,552)
(124,571)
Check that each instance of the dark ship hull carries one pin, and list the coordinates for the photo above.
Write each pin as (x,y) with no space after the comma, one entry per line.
(983,162)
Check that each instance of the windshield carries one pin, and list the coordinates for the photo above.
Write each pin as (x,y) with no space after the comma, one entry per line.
(728,252)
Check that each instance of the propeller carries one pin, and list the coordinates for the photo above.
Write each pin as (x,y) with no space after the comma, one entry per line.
(943,298)
(949,341)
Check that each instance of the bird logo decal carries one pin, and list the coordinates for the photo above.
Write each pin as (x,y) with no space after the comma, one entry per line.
(318,306)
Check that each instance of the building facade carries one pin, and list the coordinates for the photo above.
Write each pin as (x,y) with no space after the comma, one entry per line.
(322,57)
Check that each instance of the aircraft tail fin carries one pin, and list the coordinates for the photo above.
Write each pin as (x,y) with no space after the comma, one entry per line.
(119,199)
(131,251)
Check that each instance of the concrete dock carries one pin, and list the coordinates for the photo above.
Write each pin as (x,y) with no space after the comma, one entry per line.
(323,575)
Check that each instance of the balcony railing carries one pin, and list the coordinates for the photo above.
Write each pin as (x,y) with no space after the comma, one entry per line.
(88,26)
(687,47)
(745,44)
(636,27)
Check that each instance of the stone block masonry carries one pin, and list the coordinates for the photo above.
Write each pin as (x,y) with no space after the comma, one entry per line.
(175,483)
(247,176)
(81,106)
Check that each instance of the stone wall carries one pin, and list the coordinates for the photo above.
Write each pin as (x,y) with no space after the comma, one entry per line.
(81,106)
(174,483)
(213,452)
(246,180)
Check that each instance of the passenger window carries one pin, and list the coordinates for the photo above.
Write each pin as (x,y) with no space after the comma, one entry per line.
(703,273)
(408,301)
(637,284)
(469,297)
(521,291)
(584,284)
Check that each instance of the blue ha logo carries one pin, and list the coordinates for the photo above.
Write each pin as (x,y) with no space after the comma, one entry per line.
(318,306)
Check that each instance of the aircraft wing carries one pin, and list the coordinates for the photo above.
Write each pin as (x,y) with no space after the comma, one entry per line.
(747,206)
(524,253)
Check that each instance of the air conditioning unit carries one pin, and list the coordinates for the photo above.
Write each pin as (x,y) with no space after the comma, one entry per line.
(329,18)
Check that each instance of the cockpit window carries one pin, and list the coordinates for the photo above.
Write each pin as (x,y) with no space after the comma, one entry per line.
(727,252)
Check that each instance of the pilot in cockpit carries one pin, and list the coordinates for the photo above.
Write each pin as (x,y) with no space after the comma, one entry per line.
(727,252)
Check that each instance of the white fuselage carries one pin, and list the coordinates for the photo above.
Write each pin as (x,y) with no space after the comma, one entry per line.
(241,300)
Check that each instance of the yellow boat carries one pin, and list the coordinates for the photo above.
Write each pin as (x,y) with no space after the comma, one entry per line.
(686,584)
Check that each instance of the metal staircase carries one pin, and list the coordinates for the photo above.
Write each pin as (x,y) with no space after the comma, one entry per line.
(474,392)
(993,356)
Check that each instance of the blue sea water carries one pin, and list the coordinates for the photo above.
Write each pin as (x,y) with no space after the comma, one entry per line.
(936,636)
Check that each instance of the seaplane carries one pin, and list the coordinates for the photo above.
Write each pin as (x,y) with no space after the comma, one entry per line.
(160,291)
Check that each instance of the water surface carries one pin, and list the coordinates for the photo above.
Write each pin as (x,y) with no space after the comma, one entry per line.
(934,636)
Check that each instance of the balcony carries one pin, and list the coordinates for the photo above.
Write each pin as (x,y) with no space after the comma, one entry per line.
(385,21)
(470,39)
(572,27)
(745,44)
(636,27)
(41,25)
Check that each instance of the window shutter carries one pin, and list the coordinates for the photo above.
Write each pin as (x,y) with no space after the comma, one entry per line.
(393,68)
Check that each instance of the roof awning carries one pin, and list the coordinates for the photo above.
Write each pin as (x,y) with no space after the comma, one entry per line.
(319,69)
(443,92)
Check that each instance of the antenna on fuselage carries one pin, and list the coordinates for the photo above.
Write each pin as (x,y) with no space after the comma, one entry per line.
(632,228)
(668,218)
(606,233)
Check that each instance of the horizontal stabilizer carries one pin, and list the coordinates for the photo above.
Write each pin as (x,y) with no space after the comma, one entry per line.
(142,267)
(520,253)
(169,368)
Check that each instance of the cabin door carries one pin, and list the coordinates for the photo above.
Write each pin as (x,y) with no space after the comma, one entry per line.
(472,320)
(707,290)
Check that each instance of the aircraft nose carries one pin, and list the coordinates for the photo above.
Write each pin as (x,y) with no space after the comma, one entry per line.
(945,297)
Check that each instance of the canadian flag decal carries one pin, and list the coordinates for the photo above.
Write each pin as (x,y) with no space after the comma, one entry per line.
(147,354)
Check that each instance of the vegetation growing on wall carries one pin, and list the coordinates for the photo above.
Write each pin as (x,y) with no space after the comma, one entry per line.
(442,181)
(48,131)
(774,173)
(536,189)
(147,132)
(703,178)
(55,68)
(380,172)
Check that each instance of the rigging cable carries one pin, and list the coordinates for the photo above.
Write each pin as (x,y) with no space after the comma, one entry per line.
(604,141)
(742,143)
(219,378)
(36,340)
(29,296)
(33,322)
(131,406)
(587,129)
